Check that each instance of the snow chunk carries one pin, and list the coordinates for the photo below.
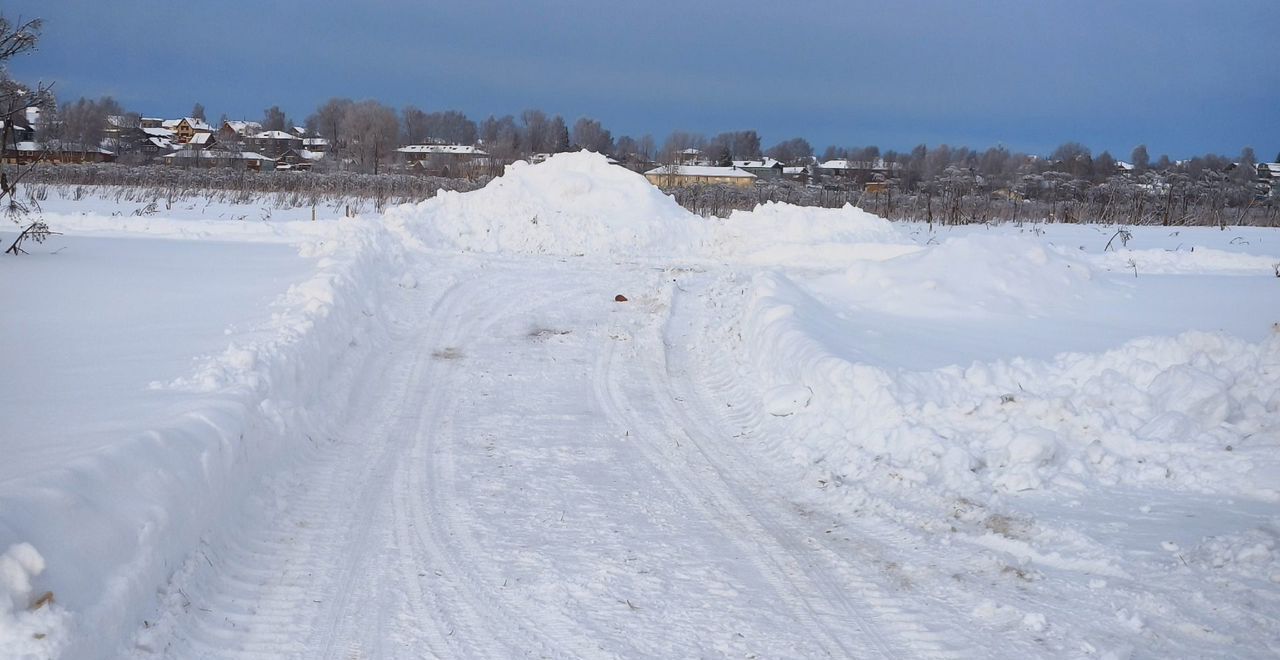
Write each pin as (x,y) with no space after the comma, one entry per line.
(31,626)
(787,400)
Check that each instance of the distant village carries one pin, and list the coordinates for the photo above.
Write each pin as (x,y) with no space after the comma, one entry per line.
(193,142)
(242,144)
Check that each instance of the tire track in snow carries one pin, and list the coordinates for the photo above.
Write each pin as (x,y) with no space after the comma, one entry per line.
(709,381)
(260,592)
(438,529)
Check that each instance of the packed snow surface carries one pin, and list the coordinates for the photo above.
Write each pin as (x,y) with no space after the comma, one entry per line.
(437,432)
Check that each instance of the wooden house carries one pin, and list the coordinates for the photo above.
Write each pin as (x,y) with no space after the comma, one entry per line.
(275,143)
(763,168)
(186,128)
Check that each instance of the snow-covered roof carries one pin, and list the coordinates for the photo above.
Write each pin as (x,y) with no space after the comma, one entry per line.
(1121,165)
(315,142)
(201,138)
(241,126)
(846,164)
(274,135)
(1272,169)
(29,146)
(192,154)
(158,132)
(761,163)
(691,151)
(160,142)
(800,169)
(456,149)
(307,154)
(703,170)
(195,124)
(119,121)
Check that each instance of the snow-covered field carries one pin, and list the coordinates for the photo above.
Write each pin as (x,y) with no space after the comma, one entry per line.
(234,432)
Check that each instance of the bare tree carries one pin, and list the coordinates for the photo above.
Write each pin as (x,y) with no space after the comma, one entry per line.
(15,100)
(327,122)
(591,135)
(414,125)
(371,130)
(734,145)
(796,151)
(538,132)
(501,137)
(560,133)
(197,111)
(451,127)
(679,142)
(274,119)
(84,125)
(1139,158)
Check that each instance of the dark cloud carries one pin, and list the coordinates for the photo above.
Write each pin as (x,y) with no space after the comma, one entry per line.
(1181,76)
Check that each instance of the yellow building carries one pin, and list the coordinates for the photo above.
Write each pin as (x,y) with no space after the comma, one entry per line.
(698,175)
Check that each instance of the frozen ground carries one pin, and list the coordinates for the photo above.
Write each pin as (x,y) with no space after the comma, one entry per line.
(805,433)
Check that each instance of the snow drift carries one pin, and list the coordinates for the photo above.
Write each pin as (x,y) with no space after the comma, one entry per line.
(774,234)
(573,204)
(964,276)
(1198,411)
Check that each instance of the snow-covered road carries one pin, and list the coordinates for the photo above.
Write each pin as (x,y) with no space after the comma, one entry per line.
(529,469)
(805,433)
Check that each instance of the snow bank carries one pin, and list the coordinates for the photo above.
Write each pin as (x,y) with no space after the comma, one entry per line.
(114,522)
(775,233)
(1198,411)
(964,276)
(571,204)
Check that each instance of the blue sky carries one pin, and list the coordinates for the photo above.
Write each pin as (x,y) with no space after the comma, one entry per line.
(1181,76)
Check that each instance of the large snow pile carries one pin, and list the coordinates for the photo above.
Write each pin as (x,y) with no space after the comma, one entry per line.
(1198,411)
(776,233)
(964,276)
(571,204)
